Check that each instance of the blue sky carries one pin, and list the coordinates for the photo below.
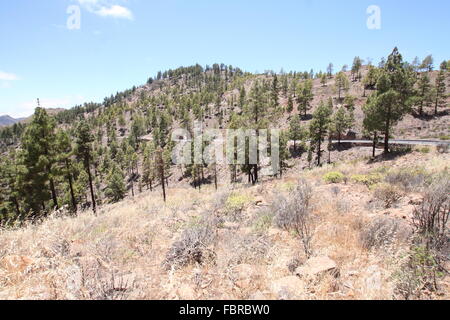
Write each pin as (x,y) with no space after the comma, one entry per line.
(120,43)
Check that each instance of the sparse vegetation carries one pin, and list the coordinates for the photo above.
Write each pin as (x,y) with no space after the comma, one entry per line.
(334,177)
(202,231)
(387,194)
(295,214)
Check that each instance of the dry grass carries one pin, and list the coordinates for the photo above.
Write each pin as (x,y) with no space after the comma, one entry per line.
(119,253)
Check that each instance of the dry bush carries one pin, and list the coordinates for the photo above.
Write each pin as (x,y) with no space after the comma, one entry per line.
(387,194)
(294,214)
(408,180)
(193,246)
(246,249)
(419,274)
(431,217)
(262,220)
(383,232)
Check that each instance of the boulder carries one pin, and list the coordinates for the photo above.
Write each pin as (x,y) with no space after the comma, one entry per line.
(318,266)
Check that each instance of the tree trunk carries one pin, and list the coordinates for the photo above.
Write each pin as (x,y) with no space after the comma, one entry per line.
(386,141)
(16,203)
(91,185)
(161,172)
(72,193)
(52,188)
(319,152)
(375,138)
(215,176)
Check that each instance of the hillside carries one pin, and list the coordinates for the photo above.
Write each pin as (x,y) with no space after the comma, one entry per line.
(229,244)
(93,204)
(7,121)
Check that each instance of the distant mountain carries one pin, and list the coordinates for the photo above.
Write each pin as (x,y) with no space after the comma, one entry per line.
(7,120)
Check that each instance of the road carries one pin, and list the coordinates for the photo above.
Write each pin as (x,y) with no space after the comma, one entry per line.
(401,142)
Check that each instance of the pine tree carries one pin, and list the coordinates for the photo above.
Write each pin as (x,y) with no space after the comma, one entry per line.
(440,99)
(341,121)
(342,83)
(427,63)
(10,189)
(38,158)
(323,80)
(319,128)
(330,70)
(64,154)
(305,97)
(296,131)
(149,169)
(424,93)
(115,189)
(275,90)
(356,67)
(394,95)
(290,105)
(370,80)
(83,151)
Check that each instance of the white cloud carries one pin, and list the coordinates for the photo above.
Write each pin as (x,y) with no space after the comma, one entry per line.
(5,76)
(106,8)
(115,11)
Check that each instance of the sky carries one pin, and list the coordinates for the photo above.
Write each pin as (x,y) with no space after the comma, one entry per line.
(67,52)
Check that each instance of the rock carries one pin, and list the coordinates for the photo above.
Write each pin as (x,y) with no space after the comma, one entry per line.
(288,287)
(15,263)
(318,266)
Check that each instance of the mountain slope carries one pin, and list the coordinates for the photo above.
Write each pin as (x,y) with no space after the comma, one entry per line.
(7,121)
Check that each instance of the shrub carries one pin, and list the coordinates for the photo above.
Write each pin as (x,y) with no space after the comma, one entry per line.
(236,203)
(193,246)
(431,217)
(408,179)
(383,232)
(334,177)
(424,150)
(369,179)
(419,271)
(294,214)
(247,249)
(263,221)
(389,195)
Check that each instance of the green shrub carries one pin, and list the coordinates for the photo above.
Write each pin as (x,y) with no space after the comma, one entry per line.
(236,202)
(424,150)
(334,177)
(367,179)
